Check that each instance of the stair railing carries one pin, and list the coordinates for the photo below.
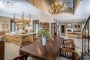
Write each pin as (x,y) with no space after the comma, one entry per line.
(85,39)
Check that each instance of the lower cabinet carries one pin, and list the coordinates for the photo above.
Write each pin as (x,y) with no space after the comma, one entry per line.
(2,47)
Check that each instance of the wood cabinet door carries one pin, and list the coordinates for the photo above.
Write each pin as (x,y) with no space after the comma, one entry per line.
(1,50)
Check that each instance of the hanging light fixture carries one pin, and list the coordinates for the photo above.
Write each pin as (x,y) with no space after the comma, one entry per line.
(57,7)
(22,20)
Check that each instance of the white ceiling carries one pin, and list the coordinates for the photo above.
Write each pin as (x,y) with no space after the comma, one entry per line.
(82,13)
(65,17)
(20,6)
(83,8)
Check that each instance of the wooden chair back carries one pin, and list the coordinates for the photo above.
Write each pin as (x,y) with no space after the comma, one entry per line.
(69,45)
(70,54)
(68,41)
(25,43)
(21,57)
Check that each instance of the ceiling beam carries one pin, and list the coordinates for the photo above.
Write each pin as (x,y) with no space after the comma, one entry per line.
(37,3)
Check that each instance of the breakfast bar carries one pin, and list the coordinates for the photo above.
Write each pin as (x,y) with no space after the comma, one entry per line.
(19,38)
(74,34)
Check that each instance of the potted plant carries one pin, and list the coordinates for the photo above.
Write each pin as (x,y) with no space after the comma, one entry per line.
(45,35)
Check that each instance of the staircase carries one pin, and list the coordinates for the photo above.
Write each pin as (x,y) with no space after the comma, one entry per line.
(85,40)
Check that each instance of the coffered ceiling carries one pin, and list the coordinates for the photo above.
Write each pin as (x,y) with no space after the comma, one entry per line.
(38,9)
(43,5)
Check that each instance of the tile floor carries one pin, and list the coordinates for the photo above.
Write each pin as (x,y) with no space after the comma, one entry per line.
(12,50)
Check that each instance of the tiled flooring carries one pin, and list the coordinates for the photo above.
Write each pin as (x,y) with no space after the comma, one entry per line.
(12,50)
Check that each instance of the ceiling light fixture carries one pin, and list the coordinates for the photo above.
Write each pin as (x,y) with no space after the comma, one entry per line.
(22,21)
(57,7)
(8,2)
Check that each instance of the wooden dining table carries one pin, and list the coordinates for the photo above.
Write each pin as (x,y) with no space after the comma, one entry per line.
(44,52)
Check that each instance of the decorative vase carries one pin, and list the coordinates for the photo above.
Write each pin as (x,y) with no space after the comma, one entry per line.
(23,32)
(43,40)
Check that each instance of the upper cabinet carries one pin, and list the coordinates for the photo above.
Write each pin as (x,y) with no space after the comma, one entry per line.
(77,26)
(44,25)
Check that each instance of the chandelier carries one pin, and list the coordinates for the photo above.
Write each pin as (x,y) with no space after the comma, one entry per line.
(57,7)
(22,21)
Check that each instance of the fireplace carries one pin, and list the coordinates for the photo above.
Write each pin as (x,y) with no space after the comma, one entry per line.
(69,30)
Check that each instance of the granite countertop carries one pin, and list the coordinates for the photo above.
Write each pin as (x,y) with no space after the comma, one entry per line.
(73,32)
(18,34)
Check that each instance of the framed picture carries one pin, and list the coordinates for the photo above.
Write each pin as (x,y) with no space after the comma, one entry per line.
(75,26)
(78,26)
(6,26)
(3,26)
(69,25)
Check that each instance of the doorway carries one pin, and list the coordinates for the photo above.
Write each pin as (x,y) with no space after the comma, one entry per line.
(62,28)
(36,26)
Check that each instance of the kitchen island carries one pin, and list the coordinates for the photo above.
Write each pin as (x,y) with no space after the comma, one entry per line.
(74,34)
(19,38)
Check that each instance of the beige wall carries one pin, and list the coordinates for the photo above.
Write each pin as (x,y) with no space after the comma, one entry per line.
(77,29)
(73,26)
(47,19)
(2,21)
(41,19)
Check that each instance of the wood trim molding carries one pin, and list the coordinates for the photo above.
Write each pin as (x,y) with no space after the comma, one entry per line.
(77,3)
(37,3)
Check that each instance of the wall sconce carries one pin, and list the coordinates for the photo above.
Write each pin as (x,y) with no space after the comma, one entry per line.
(5,25)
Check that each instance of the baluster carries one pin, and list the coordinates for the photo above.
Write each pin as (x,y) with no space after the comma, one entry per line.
(88,37)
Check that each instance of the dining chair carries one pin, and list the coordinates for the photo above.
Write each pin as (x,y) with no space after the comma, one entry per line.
(25,43)
(37,39)
(68,40)
(68,45)
(21,57)
(67,54)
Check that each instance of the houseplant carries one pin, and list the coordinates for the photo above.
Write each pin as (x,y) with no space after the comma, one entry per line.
(24,28)
(45,35)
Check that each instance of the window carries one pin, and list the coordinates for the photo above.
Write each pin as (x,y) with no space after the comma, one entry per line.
(36,26)
(12,26)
